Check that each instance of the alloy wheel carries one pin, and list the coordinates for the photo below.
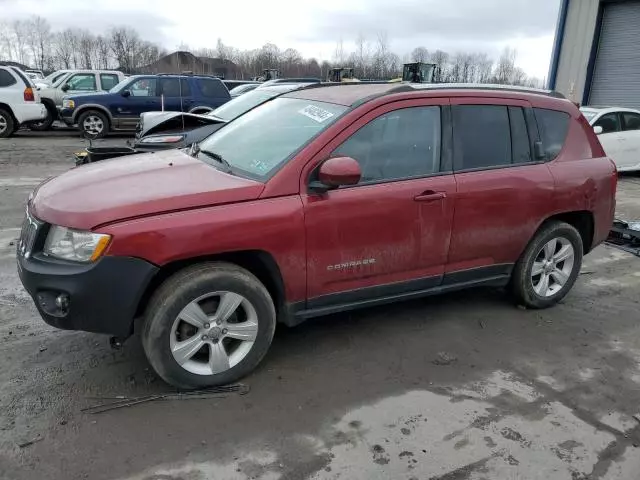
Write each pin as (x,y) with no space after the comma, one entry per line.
(552,267)
(213,333)
(93,124)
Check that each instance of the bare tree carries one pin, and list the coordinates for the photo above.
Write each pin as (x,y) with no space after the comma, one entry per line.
(420,54)
(441,60)
(362,56)
(64,43)
(38,38)
(506,66)
(338,54)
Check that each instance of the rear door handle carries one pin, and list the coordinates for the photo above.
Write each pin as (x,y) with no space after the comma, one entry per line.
(430,196)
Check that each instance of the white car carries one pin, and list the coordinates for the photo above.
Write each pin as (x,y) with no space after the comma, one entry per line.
(19,101)
(618,130)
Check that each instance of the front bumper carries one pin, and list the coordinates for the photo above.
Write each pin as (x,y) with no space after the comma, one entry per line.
(66,114)
(102,297)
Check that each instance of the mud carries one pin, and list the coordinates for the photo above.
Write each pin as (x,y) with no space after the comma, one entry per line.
(533,394)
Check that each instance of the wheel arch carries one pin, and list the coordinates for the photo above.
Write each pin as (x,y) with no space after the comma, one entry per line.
(581,220)
(5,106)
(258,262)
(91,106)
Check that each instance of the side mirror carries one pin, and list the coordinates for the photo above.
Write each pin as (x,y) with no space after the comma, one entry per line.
(65,87)
(336,172)
(597,129)
(126,93)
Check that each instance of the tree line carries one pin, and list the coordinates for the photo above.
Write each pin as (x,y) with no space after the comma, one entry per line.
(32,42)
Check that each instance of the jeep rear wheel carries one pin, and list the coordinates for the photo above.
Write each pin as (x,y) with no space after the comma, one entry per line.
(94,123)
(208,325)
(549,266)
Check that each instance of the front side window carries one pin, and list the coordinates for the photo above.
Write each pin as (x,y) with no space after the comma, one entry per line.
(83,81)
(609,122)
(144,87)
(403,143)
(631,121)
(482,137)
(260,141)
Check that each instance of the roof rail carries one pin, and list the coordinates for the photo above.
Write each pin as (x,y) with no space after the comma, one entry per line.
(485,86)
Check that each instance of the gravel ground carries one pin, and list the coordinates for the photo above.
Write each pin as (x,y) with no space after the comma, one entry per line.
(463,386)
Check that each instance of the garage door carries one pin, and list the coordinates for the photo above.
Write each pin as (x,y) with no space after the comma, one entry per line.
(616,76)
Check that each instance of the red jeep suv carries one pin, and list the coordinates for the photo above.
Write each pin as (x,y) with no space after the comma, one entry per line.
(322,200)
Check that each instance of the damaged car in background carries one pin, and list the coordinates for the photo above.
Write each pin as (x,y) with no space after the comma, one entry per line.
(166,130)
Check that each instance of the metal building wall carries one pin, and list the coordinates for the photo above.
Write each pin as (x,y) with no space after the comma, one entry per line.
(575,48)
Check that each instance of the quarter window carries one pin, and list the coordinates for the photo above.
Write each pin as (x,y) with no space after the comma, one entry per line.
(6,79)
(400,144)
(482,136)
(553,127)
(631,121)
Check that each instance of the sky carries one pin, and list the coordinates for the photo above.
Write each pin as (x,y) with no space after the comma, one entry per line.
(314,27)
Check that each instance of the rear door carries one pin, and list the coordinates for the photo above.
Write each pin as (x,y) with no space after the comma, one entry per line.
(503,191)
(611,136)
(108,81)
(175,93)
(389,234)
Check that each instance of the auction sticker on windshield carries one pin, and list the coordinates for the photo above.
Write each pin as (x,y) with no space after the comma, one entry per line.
(316,113)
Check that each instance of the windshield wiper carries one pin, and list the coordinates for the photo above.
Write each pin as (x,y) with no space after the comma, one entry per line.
(217,157)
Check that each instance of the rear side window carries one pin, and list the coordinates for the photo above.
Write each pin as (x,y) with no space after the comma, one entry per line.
(631,121)
(212,88)
(6,79)
(108,80)
(553,127)
(482,137)
(23,77)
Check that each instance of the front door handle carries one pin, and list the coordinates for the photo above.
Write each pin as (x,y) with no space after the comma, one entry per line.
(430,196)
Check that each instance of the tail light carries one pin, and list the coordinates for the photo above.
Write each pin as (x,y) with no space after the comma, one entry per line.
(614,177)
(28,95)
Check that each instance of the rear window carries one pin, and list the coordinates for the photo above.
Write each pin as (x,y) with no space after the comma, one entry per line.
(6,79)
(553,126)
(212,88)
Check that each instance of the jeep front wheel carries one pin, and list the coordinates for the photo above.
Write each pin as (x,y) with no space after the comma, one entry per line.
(208,325)
(549,266)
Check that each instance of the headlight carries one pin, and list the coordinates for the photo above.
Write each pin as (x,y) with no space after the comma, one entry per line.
(68,104)
(75,245)
(163,139)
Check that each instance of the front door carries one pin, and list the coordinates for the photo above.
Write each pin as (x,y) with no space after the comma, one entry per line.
(142,97)
(629,146)
(389,234)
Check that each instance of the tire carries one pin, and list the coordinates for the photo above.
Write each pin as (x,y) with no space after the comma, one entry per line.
(529,289)
(205,284)
(45,124)
(7,123)
(95,119)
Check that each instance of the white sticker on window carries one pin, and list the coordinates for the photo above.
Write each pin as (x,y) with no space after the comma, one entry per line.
(316,113)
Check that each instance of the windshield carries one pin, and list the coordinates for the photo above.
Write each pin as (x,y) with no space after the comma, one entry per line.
(259,142)
(239,105)
(589,114)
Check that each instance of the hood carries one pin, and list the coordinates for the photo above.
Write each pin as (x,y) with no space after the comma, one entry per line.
(136,186)
(160,122)
(84,97)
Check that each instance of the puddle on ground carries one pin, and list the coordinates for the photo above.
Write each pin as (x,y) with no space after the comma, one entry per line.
(497,428)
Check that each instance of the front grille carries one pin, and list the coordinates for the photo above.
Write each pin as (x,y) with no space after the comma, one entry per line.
(28,234)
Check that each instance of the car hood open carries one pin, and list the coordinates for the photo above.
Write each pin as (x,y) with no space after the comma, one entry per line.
(161,122)
(136,186)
